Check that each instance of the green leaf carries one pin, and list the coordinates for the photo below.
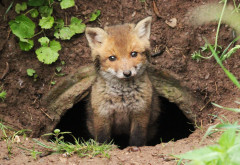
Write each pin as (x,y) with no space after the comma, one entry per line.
(59,23)
(48,2)
(35,2)
(205,154)
(53,82)
(26,45)
(20,7)
(228,126)
(76,25)
(65,33)
(58,68)
(57,131)
(235,157)
(46,55)
(63,62)
(60,74)
(22,27)
(229,74)
(230,109)
(44,41)
(55,45)
(30,72)
(49,54)
(231,77)
(95,15)
(67,3)
(45,11)
(227,139)
(3,95)
(34,13)
(46,22)
(35,76)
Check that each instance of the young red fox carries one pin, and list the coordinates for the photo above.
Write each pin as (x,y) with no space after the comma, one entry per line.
(122,97)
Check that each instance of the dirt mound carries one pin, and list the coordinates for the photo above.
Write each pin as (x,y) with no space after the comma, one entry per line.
(25,105)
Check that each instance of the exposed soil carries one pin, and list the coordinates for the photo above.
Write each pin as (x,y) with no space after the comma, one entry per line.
(22,109)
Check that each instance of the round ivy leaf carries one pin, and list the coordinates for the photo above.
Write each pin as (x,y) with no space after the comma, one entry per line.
(67,3)
(46,55)
(26,46)
(22,27)
(46,22)
(35,3)
(59,23)
(20,7)
(65,33)
(55,45)
(95,15)
(30,72)
(34,13)
(76,25)
(43,41)
(45,11)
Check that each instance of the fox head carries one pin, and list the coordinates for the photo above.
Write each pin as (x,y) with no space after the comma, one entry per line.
(120,51)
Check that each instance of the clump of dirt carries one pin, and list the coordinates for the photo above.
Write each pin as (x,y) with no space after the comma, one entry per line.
(205,79)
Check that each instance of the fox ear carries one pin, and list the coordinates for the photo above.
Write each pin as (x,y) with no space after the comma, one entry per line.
(143,28)
(95,36)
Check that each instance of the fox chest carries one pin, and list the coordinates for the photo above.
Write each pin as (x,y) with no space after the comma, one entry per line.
(120,107)
(119,103)
(127,100)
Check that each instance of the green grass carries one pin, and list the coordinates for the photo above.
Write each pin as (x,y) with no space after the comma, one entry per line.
(9,135)
(226,53)
(34,153)
(3,129)
(226,151)
(3,94)
(89,148)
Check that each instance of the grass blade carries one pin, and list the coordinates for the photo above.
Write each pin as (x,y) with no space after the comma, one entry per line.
(230,109)
(229,74)
(223,55)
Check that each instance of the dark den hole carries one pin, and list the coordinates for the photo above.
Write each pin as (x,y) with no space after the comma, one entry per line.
(173,124)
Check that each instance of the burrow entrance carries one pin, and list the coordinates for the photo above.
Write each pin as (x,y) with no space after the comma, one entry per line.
(173,124)
(66,105)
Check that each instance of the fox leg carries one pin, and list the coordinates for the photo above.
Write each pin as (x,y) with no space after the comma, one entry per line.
(138,134)
(102,129)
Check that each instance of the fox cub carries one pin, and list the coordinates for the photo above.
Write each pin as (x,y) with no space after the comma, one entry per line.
(122,97)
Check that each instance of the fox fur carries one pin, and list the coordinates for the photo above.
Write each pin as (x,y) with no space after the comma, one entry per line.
(122,98)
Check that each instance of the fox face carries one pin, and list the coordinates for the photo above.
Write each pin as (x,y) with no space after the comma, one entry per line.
(120,50)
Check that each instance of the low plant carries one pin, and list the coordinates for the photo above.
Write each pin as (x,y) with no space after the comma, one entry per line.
(225,152)
(32,73)
(224,54)
(42,11)
(89,148)
(34,153)
(10,135)
(227,149)
(3,94)
(3,129)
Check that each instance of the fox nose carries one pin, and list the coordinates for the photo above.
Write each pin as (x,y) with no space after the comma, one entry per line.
(127,73)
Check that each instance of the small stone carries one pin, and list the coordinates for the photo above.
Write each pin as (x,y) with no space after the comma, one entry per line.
(134,149)
(172,22)
(134,13)
(17,139)
(207,76)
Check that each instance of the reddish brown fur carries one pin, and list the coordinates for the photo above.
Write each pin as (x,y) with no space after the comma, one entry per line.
(122,105)
(121,42)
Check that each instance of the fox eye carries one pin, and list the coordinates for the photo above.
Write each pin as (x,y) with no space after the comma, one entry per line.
(112,58)
(134,54)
